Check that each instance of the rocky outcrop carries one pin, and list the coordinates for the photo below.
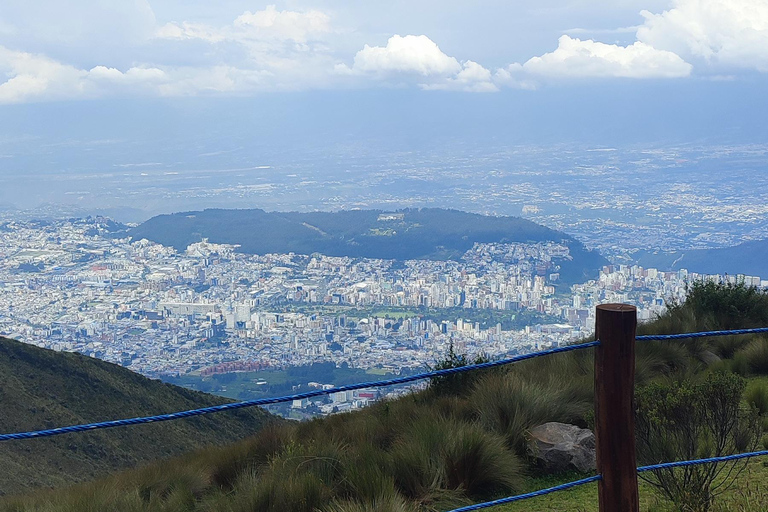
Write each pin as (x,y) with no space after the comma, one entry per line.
(559,447)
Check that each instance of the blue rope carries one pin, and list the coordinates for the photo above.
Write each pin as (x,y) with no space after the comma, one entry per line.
(289,398)
(705,334)
(526,496)
(725,458)
(653,467)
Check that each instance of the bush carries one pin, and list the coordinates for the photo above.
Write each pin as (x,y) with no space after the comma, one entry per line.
(757,396)
(446,455)
(756,356)
(391,502)
(689,420)
(511,404)
(459,383)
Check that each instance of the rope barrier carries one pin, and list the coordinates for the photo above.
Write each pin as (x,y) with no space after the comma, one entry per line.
(528,495)
(289,398)
(705,334)
(725,458)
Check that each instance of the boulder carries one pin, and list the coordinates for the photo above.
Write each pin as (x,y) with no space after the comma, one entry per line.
(559,447)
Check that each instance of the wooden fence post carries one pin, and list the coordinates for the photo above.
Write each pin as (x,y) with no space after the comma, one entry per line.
(615,326)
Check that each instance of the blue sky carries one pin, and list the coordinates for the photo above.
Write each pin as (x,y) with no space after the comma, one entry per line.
(542,63)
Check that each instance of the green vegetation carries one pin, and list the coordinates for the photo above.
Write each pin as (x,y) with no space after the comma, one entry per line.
(454,444)
(428,233)
(697,417)
(509,320)
(271,383)
(44,389)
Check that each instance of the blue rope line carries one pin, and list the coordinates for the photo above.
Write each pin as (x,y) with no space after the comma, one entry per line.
(725,458)
(705,334)
(289,398)
(526,496)
(653,467)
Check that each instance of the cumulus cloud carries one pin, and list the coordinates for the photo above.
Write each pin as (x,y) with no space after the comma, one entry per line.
(267,25)
(408,54)
(726,32)
(297,26)
(577,58)
(418,60)
(32,77)
(472,78)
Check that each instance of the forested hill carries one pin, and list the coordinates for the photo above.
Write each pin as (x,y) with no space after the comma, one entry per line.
(428,233)
(42,389)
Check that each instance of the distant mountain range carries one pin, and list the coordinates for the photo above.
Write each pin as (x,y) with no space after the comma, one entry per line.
(428,233)
(750,258)
(42,389)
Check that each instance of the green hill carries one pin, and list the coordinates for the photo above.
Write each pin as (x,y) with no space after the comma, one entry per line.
(44,389)
(428,233)
(460,441)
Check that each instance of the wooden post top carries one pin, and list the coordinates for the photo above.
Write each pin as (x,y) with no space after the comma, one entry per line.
(617,308)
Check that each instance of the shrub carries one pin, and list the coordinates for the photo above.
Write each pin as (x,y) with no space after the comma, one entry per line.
(756,396)
(445,455)
(459,383)
(388,502)
(756,356)
(510,404)
(689,420)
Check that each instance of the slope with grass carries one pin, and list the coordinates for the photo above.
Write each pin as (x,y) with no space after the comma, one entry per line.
(44,389)
(447,446)
(428,233)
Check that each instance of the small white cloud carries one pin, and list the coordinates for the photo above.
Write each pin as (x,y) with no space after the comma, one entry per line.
(296,26)
(409,54)
(513,76)
(727,32)
(472,78)
(187,30)
(267,25)
(217,79)
(577,58)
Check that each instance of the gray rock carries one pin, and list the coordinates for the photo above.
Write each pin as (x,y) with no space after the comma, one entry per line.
(559,447)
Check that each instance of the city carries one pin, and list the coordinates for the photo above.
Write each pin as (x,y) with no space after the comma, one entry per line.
(71,286)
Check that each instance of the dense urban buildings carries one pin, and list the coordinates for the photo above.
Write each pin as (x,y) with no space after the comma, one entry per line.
(71,285)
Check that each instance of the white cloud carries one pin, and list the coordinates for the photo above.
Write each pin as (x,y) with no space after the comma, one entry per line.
(32,77)
(267,25)
(296,26)
(577,58)
(472,78)
(409,54)
(411,59)
(186,30)
(513,76)
(727,32)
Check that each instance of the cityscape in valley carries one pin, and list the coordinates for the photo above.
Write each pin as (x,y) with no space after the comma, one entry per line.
(82,285)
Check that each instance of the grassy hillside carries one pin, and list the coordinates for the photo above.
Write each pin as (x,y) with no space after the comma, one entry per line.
(447,446)
(43,389)
(420,234)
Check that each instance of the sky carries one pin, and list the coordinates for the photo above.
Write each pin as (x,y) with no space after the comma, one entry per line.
(544,69)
